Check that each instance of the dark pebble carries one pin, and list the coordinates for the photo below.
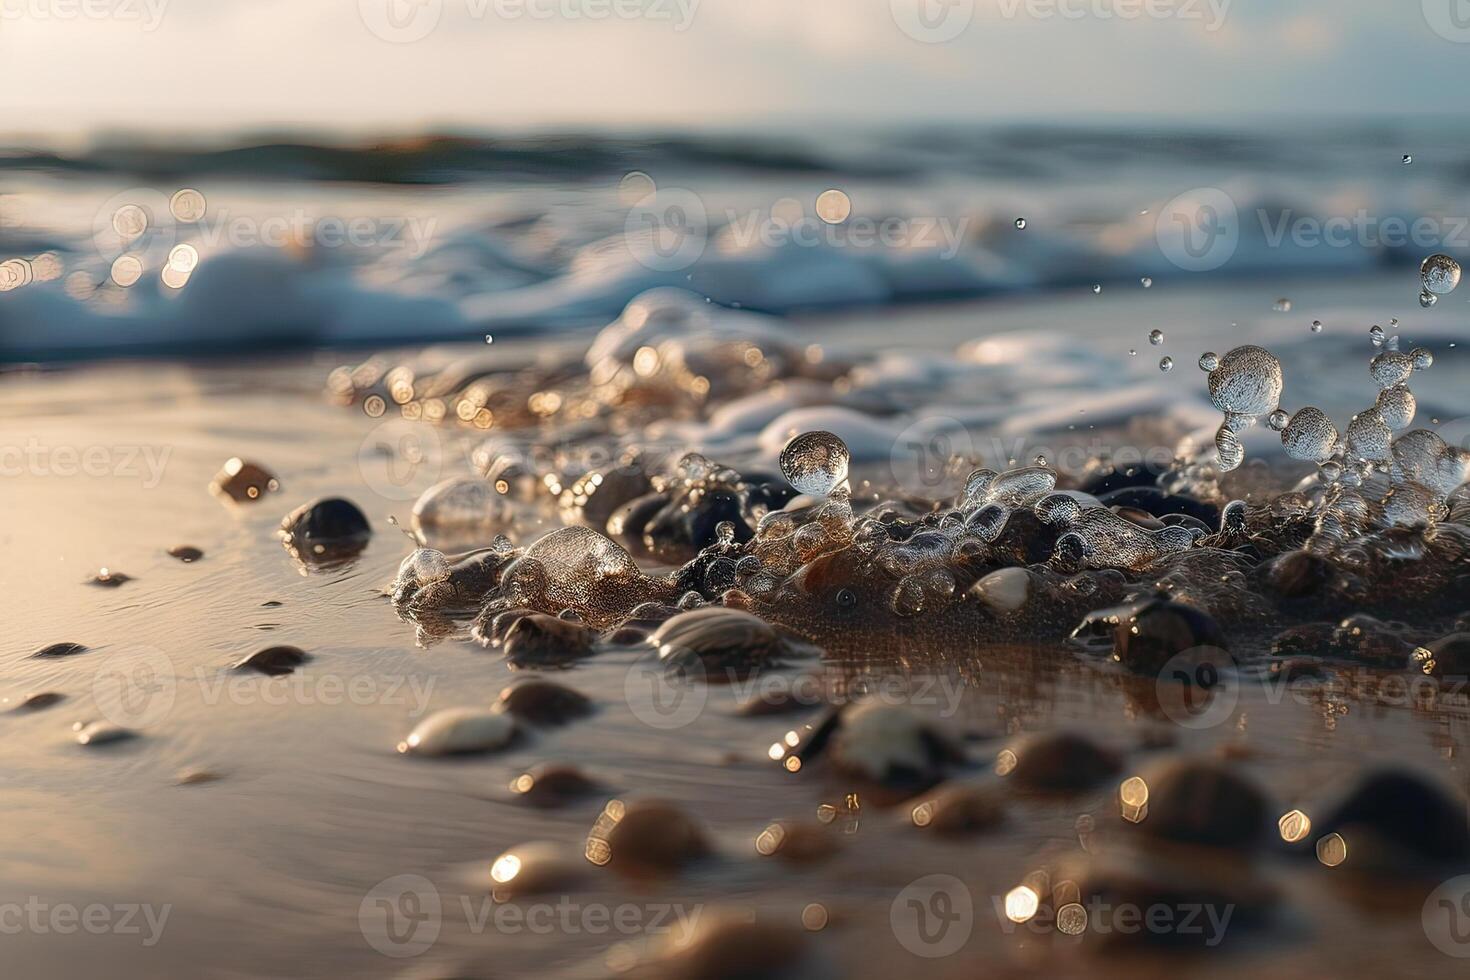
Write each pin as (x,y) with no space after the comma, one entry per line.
(543,702)
(539,640)
(40,700)
(1158,503)
(272,661)
(1394,820)
(1106,481)
(552,785)
(109,579)
(957,810)
(185,553)
(1150,634)
(645,837)
(243,481)
(1061,762)
(60,650)
(1365,640)
(796,841)
(1308,639)
(1198,801)
(1299,573)
(325,530)
(1446,657)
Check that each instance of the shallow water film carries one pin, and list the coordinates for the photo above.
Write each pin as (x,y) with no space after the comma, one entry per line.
(476,504)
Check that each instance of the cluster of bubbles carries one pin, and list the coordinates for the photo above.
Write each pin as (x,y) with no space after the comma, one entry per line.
(1440,275)
(1245,384)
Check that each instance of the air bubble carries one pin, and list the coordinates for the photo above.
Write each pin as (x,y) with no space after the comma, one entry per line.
(1441,274)
(1166,364)
(1209,360)
(815,462)
(1156,337)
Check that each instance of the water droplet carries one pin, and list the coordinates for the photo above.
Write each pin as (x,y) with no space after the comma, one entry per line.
(1156,337)
(1020,224)
(1316,326)
(1166,364)
(1247,382)
(1147,282)
(1441,274)
(833,206)
(1040,460)
(1375,334)
(1427,299)
(1408,158)
(1132,352)
(1423,358)
(1282,305)
(815,462)
(1310,435)
(1096,288)
(1209,360)
(1277,420)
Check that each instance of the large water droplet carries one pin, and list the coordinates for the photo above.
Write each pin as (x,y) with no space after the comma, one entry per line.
(1441,274)
(815,462)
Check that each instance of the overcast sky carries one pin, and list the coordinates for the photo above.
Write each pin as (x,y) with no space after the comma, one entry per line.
(73,66)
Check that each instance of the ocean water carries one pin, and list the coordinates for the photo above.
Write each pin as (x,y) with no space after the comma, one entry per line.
(280,243)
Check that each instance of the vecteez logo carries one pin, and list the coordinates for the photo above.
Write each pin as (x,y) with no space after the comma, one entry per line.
(401,21)
(1450,19)
(933,916)
(932,21)
(401,916)
(1199,230)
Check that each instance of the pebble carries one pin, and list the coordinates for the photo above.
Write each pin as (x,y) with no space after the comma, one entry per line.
(735,946)
(273,661)
(1398,821)
(1199,801)
(243,481)
(798,842)
(1365,640)
(722,643)
(185,553)
(1148,635)
(1297,574)
(535,868)
(892,746)
(197,777)
(552,785)
(456,731)
(327,529)
(64,649)
(645,838)
(101,733)
(1004,591)
(1446,657)
(40,700)
(541,702)
(539,640)
(1057,762)
(108,579)
(959,809)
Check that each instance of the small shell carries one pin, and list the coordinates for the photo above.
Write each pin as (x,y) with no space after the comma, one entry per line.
(101,733)
(718,639)
(1004,591)
(455,731)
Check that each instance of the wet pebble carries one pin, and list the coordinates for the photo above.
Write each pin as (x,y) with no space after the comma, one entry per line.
(63,649)
(1297,574)
(274,661)
(797,841)
(542,702)
(197,777)
(717,642)
(1312,639)
(959,809)
(1366,640)
(325,530)
(40,700)
(1396,820)
(539,640)
(108,579)
(458,731)
(732,946)
(535,868)
(185,553)
(892,746)
(101,733)
(1201,801)
(1446,657)
(1061,762)
(551,785)
(1147,636)
(243,481)
(645,838)
(1004,591)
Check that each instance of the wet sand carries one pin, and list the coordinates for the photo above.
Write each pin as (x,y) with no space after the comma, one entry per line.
(265,870)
